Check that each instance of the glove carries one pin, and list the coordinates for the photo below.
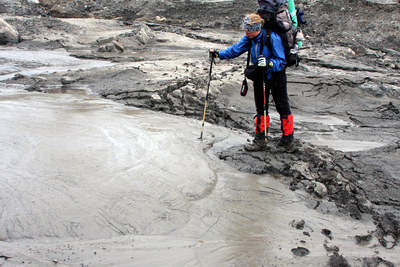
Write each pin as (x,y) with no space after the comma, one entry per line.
(213,54)
(264,63)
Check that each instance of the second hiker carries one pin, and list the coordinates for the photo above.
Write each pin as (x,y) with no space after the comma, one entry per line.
(272,62)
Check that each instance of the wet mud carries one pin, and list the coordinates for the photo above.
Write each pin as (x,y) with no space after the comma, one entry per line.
(345,97)
(329,174)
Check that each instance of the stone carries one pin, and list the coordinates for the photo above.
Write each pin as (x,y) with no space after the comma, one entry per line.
(118,46)
(106,40)
(320,189)
(177,93)
(107,48)
(67,80)
(372,88)
(8,34)
(144,34)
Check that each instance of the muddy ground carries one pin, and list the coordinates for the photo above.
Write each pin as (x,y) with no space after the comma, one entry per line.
(349,70)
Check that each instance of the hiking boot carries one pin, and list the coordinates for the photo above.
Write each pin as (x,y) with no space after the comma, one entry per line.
(258,144)
(286,140)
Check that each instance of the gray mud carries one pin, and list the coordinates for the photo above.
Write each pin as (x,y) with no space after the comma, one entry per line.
(345,95)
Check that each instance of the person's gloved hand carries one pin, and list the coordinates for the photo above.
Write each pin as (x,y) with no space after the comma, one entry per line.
(213,53)
(262,61)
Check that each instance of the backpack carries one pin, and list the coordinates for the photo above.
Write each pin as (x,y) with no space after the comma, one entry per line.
(277,19)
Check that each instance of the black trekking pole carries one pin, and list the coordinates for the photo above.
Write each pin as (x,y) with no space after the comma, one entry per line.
(205,104)
(265,109)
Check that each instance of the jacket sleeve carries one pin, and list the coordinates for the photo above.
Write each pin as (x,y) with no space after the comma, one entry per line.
(236,49)
(292,12)
(278,53)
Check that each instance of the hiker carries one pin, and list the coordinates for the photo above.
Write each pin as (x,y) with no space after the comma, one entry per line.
(274,76)
(295,15)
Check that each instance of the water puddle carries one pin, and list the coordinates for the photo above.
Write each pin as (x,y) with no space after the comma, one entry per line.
(327,120)
(30,62)
(346,145)
(329,136)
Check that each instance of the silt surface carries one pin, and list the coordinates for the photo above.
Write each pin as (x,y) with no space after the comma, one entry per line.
(101,159)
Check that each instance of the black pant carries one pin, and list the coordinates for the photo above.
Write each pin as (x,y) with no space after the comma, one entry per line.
(277,85)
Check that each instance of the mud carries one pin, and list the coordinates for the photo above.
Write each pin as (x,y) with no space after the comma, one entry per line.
(345,95)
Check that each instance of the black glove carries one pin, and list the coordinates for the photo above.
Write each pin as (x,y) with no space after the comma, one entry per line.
(213,54)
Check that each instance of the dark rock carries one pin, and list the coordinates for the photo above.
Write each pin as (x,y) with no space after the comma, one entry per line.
(376,262)
(326,232)
(337,260)
(331,248)
(299,225)
(34,87)
(363,239)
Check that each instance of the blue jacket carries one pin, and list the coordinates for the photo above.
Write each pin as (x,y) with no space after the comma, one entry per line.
(277,55)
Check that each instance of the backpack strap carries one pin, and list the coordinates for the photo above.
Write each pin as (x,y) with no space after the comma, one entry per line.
(267,39)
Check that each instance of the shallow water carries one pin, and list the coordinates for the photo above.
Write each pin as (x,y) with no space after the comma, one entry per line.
(14,60)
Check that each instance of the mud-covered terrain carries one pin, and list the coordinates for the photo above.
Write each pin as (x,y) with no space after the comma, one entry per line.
(349,72)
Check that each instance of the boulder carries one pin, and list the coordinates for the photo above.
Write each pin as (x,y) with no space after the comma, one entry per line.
(8,34)
(144,34)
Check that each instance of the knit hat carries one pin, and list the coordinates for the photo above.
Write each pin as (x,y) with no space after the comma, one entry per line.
(250,26)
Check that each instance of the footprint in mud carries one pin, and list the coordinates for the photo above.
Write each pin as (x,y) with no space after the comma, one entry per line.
(300,251)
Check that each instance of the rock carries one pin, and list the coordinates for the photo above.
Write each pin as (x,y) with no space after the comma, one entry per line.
(189,89)
(34,87)
(391,90)
(320,189)
(175,102)
(372,88)
(155,98)
(299,225)
(144,34)
(68,80)
(118,46)
(39,79)
(160,19)
(107,48)
(8,34)
(362,239)
(332,248)
(326,232)
(18,76)
(177,93)
(337,260)
(106,40)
